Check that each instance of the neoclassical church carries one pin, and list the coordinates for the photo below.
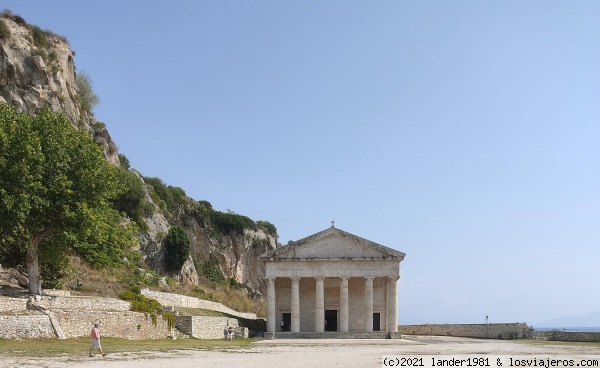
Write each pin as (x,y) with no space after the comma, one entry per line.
(332,281)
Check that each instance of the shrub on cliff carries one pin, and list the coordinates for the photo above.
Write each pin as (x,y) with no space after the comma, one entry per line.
(85,94)
(267,227)
(133,200)
(170,195)
(177,248)
(4,31)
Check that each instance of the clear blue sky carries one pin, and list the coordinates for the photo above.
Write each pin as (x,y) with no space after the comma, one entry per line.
(463,133)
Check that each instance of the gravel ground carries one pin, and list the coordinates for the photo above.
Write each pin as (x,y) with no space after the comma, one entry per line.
(323,353)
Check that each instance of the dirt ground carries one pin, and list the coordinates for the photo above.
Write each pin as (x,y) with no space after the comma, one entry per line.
(322,353)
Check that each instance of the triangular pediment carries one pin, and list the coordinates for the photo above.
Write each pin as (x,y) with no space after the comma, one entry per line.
(333,243)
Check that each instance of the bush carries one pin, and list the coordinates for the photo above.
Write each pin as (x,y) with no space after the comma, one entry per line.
(211,270)
(7,13)
(139,303)
(228,223)
(85,94)
(171,196)
(4,31)
(133,200)
(267,227)
(124,161)
(177,248)
(38,36)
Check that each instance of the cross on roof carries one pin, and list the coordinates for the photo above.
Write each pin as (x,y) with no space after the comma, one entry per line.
(332,223)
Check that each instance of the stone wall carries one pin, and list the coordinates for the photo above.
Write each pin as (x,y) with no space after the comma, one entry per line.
(87,303)
(566,336)
(26,327)
(206,327)
(483,331)
(128,325)
(177,300)
(74,317)
(12,305)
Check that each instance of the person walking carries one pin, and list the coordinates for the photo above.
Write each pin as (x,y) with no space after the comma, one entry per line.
(95,335)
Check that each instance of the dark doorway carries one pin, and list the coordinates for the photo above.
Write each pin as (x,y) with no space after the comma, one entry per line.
(331,320)
(287,322)
(376,321)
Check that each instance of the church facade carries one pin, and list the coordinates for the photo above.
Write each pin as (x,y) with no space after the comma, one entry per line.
(332,281)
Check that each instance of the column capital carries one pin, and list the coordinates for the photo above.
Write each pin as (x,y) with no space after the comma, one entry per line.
(318,278)
(295,278)
(270,278)
(370,277)
(344,278)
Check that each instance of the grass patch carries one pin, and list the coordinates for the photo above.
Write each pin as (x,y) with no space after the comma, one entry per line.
(564,343)
(200,312)
(111,345)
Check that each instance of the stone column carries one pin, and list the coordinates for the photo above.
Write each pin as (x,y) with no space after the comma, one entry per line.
(392,304)
(320,305)
(344,304)
(369,304)
(295,304)
(271,315)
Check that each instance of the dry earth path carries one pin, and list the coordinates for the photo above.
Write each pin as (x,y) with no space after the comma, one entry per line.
(317,353)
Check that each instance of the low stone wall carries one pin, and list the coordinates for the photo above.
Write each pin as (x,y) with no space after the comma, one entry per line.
(12,305)
(26,327)
(566,336)
(87,303)
(57,292)
(177,300)
(128,325)
(206,327)
(482,331)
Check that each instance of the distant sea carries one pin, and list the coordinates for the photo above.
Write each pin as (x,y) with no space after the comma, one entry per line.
(570,329)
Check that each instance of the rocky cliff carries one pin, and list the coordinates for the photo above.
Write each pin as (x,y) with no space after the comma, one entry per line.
(37,69)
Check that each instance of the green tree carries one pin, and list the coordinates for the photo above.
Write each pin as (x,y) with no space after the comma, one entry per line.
(177,248)
(55,192)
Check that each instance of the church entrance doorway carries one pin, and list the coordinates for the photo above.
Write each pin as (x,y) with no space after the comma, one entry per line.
(331,320)
(286,322)
(376,321)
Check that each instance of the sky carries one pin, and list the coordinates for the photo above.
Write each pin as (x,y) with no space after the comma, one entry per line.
(465,134)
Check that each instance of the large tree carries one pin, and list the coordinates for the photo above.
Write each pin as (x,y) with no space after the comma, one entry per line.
(55,192)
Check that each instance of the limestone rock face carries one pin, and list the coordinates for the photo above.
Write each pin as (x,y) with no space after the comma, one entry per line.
(34,75)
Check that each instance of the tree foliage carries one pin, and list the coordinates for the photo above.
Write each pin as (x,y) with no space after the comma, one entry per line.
(55,193)
(177,248)
(85,94)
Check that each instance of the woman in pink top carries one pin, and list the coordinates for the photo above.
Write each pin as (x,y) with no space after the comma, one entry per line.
(95,335)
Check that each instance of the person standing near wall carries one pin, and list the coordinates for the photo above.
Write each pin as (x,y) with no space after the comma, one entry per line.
(95,335)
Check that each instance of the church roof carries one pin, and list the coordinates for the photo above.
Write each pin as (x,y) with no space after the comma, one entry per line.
(340,246)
